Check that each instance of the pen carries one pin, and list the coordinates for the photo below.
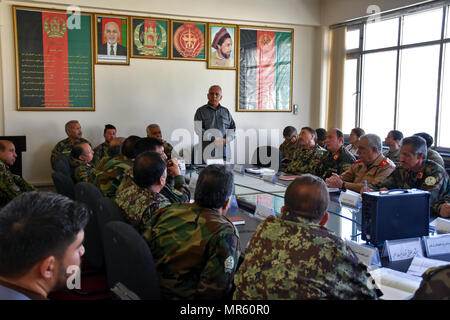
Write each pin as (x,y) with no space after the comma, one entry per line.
(365,185)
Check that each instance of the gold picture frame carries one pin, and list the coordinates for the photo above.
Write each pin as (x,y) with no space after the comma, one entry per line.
(111,29)
(188,40)
(222,44)
(150,37)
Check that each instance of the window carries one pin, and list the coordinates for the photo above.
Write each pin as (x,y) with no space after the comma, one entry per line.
(403,72)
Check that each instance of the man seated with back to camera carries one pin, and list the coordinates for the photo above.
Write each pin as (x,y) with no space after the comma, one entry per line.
(175,189)
(416,171)
(140,199)
(294,256)
(195,247)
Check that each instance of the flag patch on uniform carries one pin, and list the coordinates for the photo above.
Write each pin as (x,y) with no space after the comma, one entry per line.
(229,263)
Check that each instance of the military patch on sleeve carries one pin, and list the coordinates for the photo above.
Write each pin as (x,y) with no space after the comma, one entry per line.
(229,264)
(336,156)
(430,181)
(383,163)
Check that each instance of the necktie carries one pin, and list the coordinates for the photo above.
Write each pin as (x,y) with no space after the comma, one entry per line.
(111,51)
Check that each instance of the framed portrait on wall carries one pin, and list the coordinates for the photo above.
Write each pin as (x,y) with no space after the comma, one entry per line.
(111,40)
(150,38)
(222,46)
(188,40)
(265,59)
(54,60)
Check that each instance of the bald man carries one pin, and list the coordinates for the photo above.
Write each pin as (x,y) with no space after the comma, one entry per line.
(11,185)
(112,36)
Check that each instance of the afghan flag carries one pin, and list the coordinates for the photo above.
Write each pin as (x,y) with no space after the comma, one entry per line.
(265,69)
(54,60)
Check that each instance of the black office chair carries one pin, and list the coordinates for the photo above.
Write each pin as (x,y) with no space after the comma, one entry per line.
(62,164)
(129,260)
(89,194)
(63,184)
(107,211)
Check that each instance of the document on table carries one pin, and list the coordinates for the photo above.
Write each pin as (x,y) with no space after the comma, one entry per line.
(420,264)
(395,285)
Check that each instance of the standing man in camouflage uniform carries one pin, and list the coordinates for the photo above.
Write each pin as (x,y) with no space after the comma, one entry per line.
(415,171)
(372,166)
(81,162)
(393,140)
(195,247)
(336,159)
(11,185)
(74,133)
(109,133)
(295,257)
(307,156)
(154,131)
(289,145)
(142,197)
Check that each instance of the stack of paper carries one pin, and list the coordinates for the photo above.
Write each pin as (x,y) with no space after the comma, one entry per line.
(395,285)
(260,170)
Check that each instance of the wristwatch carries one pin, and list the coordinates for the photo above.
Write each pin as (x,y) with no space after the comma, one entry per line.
(343,186)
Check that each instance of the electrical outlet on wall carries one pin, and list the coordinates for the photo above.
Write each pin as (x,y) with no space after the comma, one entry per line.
(295,108)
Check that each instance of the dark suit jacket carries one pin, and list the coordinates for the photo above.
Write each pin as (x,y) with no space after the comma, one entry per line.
(121,50)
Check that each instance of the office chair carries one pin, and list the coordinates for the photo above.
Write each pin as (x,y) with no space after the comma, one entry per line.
(89,194)
(63,184)
(62,164)
(129,260)
(107,211)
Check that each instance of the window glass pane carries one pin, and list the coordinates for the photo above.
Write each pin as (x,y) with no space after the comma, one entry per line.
(417,92)
(444,132)
(352,39)
(423,26)
(378,92)
(381,34)
(447,31)
(348,119)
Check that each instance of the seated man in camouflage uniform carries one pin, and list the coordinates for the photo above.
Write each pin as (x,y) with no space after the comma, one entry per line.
(175,189)
(109,133)
(295,257)
(154,131)
(336,159)
(11,185)
(289,145)
(73,131)
(142,197)
(372,167)
(195,247)
(113,170)
(307,156)
(416,171)
(431,154)
(442,206)
(393,140)
(435,284)
(81,162)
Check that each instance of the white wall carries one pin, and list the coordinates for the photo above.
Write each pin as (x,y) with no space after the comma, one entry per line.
(166,92)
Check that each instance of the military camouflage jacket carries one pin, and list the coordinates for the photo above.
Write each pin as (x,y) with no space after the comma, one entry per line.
(430,177)
(288,149)
(394,155)
(435,284)
(168,150)
(139,204)
(435,156)
(196,251)
(112,175)
(380,169)
(11,185)
(337,163)
(291,258)
(306,160)
(99,152)
(63,147)
(82,171)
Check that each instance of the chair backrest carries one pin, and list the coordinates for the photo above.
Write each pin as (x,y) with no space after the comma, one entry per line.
(89,194)
(129,260)
(263,157)
(107,211)
(62,164)
(63,184)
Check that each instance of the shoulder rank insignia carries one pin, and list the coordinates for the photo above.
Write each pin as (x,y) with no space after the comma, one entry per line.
(430,181)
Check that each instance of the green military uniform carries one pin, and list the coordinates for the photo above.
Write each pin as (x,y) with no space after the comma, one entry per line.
(64,147)
(11,185)
(334,163)
(168,150)
(393,155)
(99,152)
(196,251)
(82,171)
(355,177)
(139,204)
(435,156)
(176,192)
(112,175)
(291,258)
(306,160)
(430,177)
(435,284)
(288,149)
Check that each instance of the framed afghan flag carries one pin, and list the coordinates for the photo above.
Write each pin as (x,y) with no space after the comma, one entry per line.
(54,60)
(264,80)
